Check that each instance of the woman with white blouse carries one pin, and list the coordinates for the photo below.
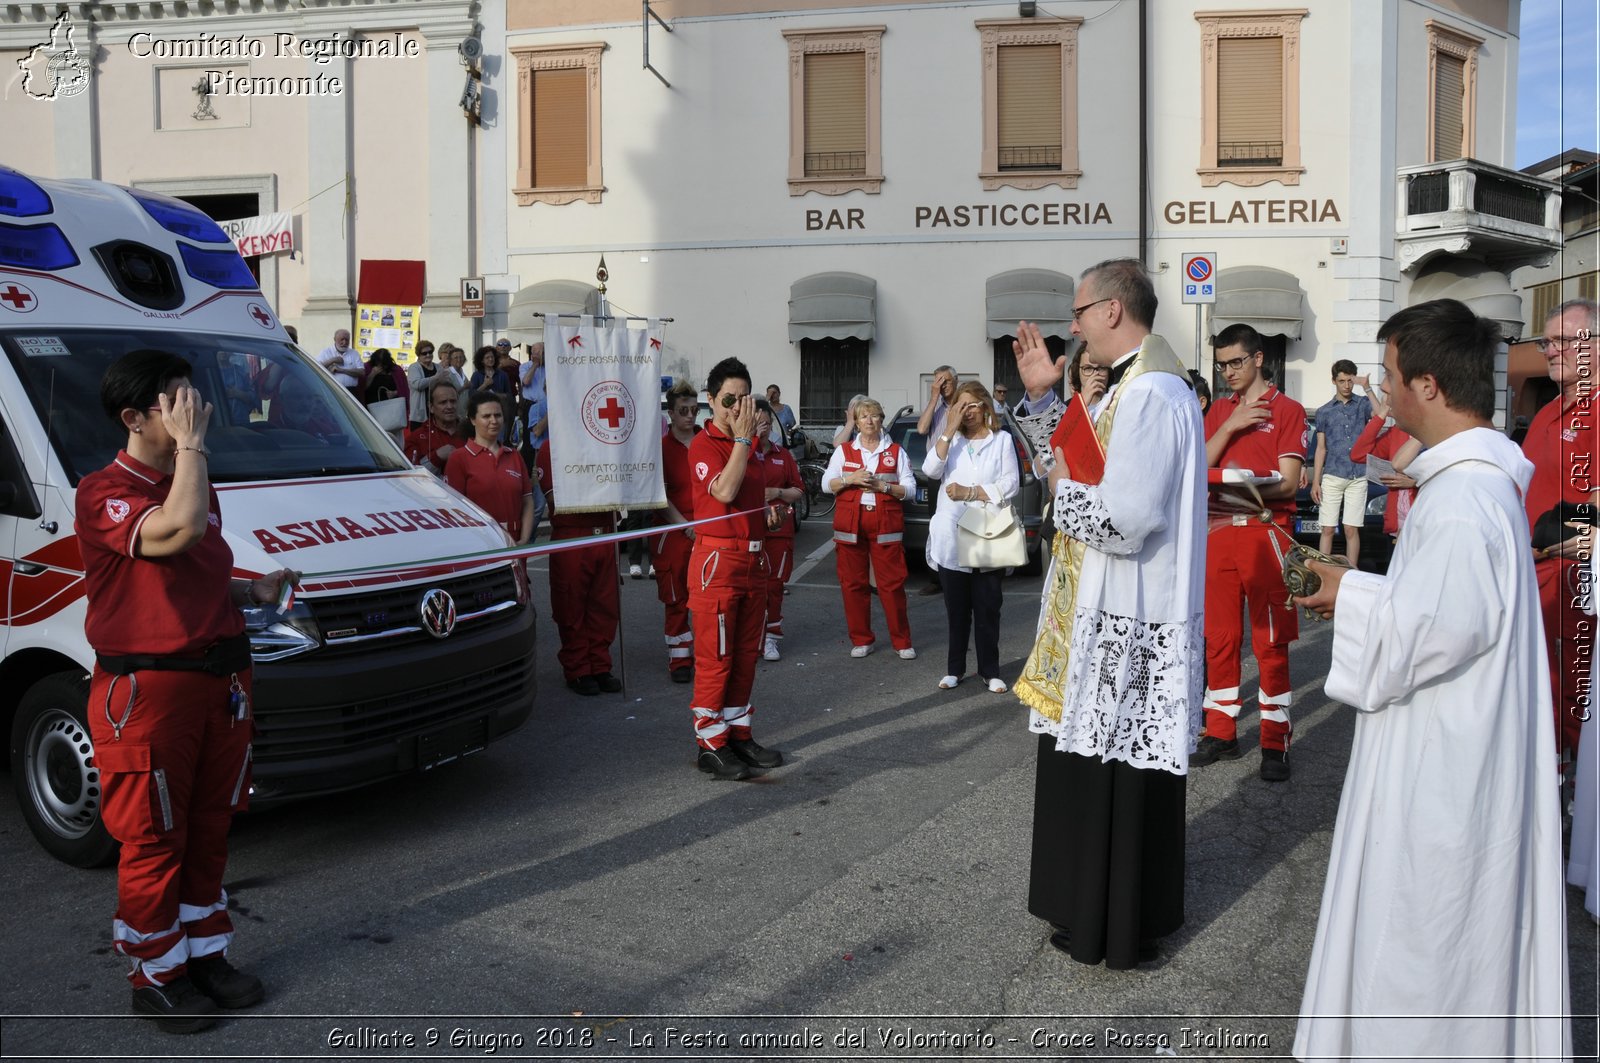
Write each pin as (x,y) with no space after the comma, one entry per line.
(976,460)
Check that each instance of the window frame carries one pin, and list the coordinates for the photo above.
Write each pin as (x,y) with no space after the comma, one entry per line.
(994,34)
(531,57)
(1283,23)
(1463,46)
(869,41)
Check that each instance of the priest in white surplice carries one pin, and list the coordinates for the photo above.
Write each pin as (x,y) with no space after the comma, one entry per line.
(1442,926)
(1116,674)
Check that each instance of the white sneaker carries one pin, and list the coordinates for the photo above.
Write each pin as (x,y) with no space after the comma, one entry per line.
(652,572)
(907,654)
(635,572)
(997,686)
(860,651)
(949,682)
(770,651)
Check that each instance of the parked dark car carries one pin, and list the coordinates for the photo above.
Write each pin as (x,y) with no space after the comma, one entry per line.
(919,508)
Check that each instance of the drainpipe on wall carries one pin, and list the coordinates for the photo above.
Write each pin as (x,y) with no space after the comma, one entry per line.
(1144,136)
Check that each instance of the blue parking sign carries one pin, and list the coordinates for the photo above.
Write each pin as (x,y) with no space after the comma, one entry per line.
(1189,289)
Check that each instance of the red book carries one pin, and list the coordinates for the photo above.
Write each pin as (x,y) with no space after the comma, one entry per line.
(1074,437)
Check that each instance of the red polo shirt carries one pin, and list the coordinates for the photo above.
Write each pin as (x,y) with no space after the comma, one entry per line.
(1281,435)
(156,606)
(423,443)
(708,454)
(781,472)
(675,475)
(574,525)
(1562,446)
(497,482)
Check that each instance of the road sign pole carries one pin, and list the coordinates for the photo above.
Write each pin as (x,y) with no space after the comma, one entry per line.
(1197,327)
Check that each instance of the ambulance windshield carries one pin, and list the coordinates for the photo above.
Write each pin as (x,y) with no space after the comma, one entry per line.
(276,416)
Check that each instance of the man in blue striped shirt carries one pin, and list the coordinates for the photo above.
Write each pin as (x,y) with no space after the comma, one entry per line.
(1338,484)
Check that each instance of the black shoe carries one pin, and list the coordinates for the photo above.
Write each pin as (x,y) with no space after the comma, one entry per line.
(584,685)
(1275,765)
(1061,940)
(1148,950)
(932,588)
(682,675)
(1212,749)
(755,754)
(723,763)
(177,1007)
(607,682)
(226,985)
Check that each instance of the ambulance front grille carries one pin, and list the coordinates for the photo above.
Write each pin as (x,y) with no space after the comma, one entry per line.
(389,616)
(306,731)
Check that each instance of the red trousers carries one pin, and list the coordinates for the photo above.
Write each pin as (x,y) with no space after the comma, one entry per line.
(171,783)
(669,552)
(1568,633)
(886,556)
(728,597)
(1243,568)
(584,603)
(780,566)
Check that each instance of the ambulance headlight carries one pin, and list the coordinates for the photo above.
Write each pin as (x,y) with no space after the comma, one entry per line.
(275,636)
(35,247)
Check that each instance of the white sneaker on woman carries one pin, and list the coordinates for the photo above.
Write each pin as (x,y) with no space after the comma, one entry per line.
(949,682)
(860,651)
(997,686)
(907,654)
(770,651)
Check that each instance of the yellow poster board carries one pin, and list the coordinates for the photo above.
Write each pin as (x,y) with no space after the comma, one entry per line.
(385,325)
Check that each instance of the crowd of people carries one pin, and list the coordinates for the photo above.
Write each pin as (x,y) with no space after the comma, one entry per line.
(1467,660)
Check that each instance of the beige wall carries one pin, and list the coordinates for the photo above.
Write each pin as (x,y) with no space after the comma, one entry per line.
(29,125)
(390,151)
(545,14)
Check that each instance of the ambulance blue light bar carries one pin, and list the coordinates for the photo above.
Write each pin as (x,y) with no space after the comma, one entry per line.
(35,247)
(176,216)
(20,197)
(220,269)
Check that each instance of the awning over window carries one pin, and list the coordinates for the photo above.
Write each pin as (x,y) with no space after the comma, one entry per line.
(1487,291)
(1041,296)
(549,297)
(832,306)
(393,282)
(1268,300)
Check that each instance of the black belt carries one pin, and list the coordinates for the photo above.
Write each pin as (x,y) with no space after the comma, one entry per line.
(220,658)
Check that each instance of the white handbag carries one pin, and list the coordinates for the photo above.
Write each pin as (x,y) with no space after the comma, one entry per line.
(390,414)
(990,536)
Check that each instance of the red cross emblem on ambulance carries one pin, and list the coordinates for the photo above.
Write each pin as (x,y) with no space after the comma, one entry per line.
(18,299)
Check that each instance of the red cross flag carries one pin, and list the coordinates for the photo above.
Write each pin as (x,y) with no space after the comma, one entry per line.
(603,382)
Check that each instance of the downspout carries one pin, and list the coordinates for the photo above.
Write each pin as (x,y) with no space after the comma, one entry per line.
(1144,136)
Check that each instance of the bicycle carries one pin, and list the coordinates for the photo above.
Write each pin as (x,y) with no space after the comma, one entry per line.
(816,501)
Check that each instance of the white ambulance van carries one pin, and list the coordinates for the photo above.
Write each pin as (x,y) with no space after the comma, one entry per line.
(366,676)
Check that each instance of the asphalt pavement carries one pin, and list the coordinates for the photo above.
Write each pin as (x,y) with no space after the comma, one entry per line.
(580,890)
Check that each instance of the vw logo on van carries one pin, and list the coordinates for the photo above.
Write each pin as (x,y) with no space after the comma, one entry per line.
(438,611)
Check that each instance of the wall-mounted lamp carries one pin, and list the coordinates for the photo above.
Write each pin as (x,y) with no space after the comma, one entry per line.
(1027,8)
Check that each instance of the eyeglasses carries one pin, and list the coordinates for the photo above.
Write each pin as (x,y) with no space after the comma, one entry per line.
(1077,311)
(1233,363)
(1560,343)
(1100,369)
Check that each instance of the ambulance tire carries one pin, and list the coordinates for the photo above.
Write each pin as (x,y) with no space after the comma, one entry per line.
(53,773)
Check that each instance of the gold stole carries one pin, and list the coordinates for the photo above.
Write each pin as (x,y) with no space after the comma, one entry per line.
(1042,686)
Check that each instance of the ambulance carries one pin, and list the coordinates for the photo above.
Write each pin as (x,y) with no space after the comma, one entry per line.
(406,647)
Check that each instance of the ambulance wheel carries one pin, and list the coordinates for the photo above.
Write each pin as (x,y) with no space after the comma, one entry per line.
(52,769)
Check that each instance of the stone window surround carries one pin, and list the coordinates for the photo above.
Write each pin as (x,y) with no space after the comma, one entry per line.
(998,33)
(1283,23)
(867,40)
(1463,46)
(531,57)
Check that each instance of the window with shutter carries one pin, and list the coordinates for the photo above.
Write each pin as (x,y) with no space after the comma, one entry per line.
(1545,298)
(1250,97)
(558,136)
(1030,102)
(1452,77)
(835,112)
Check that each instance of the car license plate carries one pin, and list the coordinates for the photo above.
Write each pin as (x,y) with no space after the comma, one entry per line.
(452,742)
(1307,526)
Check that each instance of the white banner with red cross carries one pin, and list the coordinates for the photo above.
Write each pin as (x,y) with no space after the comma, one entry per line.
(603,383)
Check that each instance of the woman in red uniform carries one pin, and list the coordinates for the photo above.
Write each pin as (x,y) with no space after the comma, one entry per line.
(727,578)
(493,476)
(784,488)
(871,478)
(169,701)
(669,551)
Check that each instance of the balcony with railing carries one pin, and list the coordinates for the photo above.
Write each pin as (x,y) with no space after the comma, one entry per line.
(1507,218)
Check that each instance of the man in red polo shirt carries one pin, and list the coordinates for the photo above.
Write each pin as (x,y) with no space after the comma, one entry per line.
(431,443)
(584,600)
(671,548)
(727,578)
(1562,444)
(1261,430)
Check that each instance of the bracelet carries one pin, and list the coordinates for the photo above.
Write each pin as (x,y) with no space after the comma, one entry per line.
(944,439)
(197,450)
(742,439)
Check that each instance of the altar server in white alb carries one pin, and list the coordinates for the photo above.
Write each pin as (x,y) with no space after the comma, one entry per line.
(1442,926)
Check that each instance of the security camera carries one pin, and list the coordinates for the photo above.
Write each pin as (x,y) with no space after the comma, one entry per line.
(470,50)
